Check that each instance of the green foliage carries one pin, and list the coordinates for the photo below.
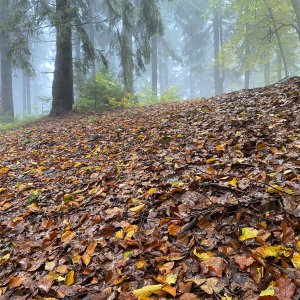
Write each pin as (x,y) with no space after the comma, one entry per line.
(128,100)
(147,97)
(9,124)
(104,92)
(96,93)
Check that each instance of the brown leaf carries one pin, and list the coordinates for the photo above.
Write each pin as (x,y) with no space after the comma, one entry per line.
(286,288)
(45,283)
(16,282)
(189,296)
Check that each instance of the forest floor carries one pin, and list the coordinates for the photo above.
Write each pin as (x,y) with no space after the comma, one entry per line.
(189,200)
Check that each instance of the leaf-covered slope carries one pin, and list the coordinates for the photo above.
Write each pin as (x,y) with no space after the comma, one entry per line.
(192,200)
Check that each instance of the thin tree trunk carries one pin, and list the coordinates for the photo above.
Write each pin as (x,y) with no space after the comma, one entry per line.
(126,59)
(154,64)
(161,67)
(278,40)
(6,79)
(247,79)
(192,84)
(296,6)
(28,95)
(62,87)
(217,71)
(24,93)
(267,73)
(279,65)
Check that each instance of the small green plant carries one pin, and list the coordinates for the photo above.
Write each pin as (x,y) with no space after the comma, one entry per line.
(18,122)
(128,100)
(95,93)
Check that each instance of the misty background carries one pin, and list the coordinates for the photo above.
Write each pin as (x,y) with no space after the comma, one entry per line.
(205,48)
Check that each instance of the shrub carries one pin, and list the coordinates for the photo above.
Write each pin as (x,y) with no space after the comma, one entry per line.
(95,93)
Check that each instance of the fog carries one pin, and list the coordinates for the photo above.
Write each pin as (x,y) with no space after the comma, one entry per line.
(205,48)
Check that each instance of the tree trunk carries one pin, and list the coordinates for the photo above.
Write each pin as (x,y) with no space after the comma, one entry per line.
(217,69)
(296,6)
(6,79)
(267,73)
(28,95)
(62,87)
(126,57)
(192,84)
(280,46)
(154,61)
(279,66)
(247,79)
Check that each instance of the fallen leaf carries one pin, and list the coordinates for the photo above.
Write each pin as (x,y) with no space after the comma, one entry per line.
(16,282)
(70,278)
(248,233)
(147,291)
(67,236)
(286,288)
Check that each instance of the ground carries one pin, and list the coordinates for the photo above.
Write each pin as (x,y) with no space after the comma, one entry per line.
(190,200)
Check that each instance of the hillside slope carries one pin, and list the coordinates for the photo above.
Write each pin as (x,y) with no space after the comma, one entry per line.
(191,200)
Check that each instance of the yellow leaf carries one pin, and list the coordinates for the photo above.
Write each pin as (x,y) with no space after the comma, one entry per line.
(77,164)
(33,207)
(76,259)
(70,279)
(2,190)
(211,160)
(296,260)
(127,254)
(204,255)
(178,184)
(226,298)
(269,291)
(151,192)
(67,198)
(86,258)
(67,236)
(141,263)
(130,234)
(147,291)
(171,278)
(248,233)
(221,147)
(273,251)
(233,182)
(56,277)
(91,248)
(119,234)
(274,189)
(138,208)
(170,290)
(4,171)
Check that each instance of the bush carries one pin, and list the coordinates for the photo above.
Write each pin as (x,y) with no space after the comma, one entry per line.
(104,92)
(96,93)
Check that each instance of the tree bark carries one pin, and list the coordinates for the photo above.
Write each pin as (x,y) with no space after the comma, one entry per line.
(217,35)
(62,87)
(247,79)
(154,60)
(126,59)
(267,73)
(6,79)
(280,46)
(296,6)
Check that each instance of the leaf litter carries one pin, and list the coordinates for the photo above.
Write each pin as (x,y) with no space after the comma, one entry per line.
(191,200)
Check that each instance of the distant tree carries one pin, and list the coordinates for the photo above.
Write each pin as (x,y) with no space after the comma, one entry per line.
(6,68)
(134,23)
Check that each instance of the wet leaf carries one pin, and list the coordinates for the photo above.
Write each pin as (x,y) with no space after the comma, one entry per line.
(248,233)
(147,291)
(70,278)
